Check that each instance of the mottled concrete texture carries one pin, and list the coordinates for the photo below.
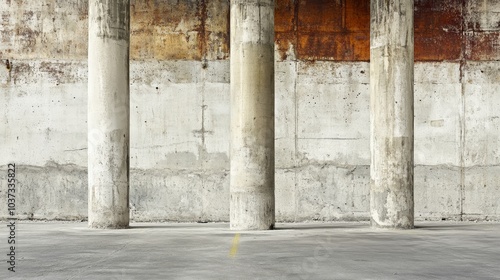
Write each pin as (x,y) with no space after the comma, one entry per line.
(391,114)
(252,203)
(180,109)
(108,113)
(295,251)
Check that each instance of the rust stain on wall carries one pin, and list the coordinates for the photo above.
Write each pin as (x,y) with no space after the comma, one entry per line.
(336,30)
(164,30)
(483,45)
(285,27)
(179,30)
(482,39)
(438,30)
(339,30)
(202,37)
(347,38)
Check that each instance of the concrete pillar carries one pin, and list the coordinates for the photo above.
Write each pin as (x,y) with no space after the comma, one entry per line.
(391,113)
(108,113)
(252,114)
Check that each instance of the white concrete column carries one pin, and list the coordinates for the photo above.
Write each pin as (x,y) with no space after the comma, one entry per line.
(391,113)
(252,114)
(108,113)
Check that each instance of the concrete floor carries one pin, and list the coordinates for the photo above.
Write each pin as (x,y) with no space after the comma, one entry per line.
(435,250)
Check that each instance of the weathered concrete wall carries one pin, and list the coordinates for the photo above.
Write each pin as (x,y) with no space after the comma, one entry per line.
(180,109)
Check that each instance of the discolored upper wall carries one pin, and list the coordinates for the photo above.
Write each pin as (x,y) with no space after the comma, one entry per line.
(180,30)
(43,29)
(323,30)
(339,30)
(160,30)
(336,30)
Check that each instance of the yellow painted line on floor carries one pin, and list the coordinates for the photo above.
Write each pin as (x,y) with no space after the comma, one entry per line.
(234,246)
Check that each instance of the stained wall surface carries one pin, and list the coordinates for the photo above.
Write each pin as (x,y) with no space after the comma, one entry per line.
(180,109)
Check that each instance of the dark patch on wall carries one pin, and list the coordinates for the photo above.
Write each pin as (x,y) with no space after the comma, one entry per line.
(483,45)
(201,28)
(483,31)
(17,71)
(27,38)
(438,30)
(60,72)
(217,29)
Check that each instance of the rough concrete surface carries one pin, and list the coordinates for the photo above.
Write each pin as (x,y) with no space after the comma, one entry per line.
(108,114)
(391,114)
(252,203)
(434,250)
(322,140)
(180,109)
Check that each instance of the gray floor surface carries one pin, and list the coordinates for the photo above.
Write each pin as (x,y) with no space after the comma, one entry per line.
(434,250)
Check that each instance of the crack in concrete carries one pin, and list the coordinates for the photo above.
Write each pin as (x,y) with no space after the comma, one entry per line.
(105,259)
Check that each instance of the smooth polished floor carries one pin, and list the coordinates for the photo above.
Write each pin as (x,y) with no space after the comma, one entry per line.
(434,250)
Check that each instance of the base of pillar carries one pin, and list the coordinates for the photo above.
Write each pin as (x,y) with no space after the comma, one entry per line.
(240,228)
(252,211)
(109,220)
(107,226)
(376,225)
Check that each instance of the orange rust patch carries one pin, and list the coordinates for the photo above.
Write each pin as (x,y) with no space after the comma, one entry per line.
(357,16)
(339,30)
(285,27)
(174,28)
(438,30)
(336,46)
(284,16)
(438,47)
(333,30)
(320,16)
(182,30)
(285,41)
